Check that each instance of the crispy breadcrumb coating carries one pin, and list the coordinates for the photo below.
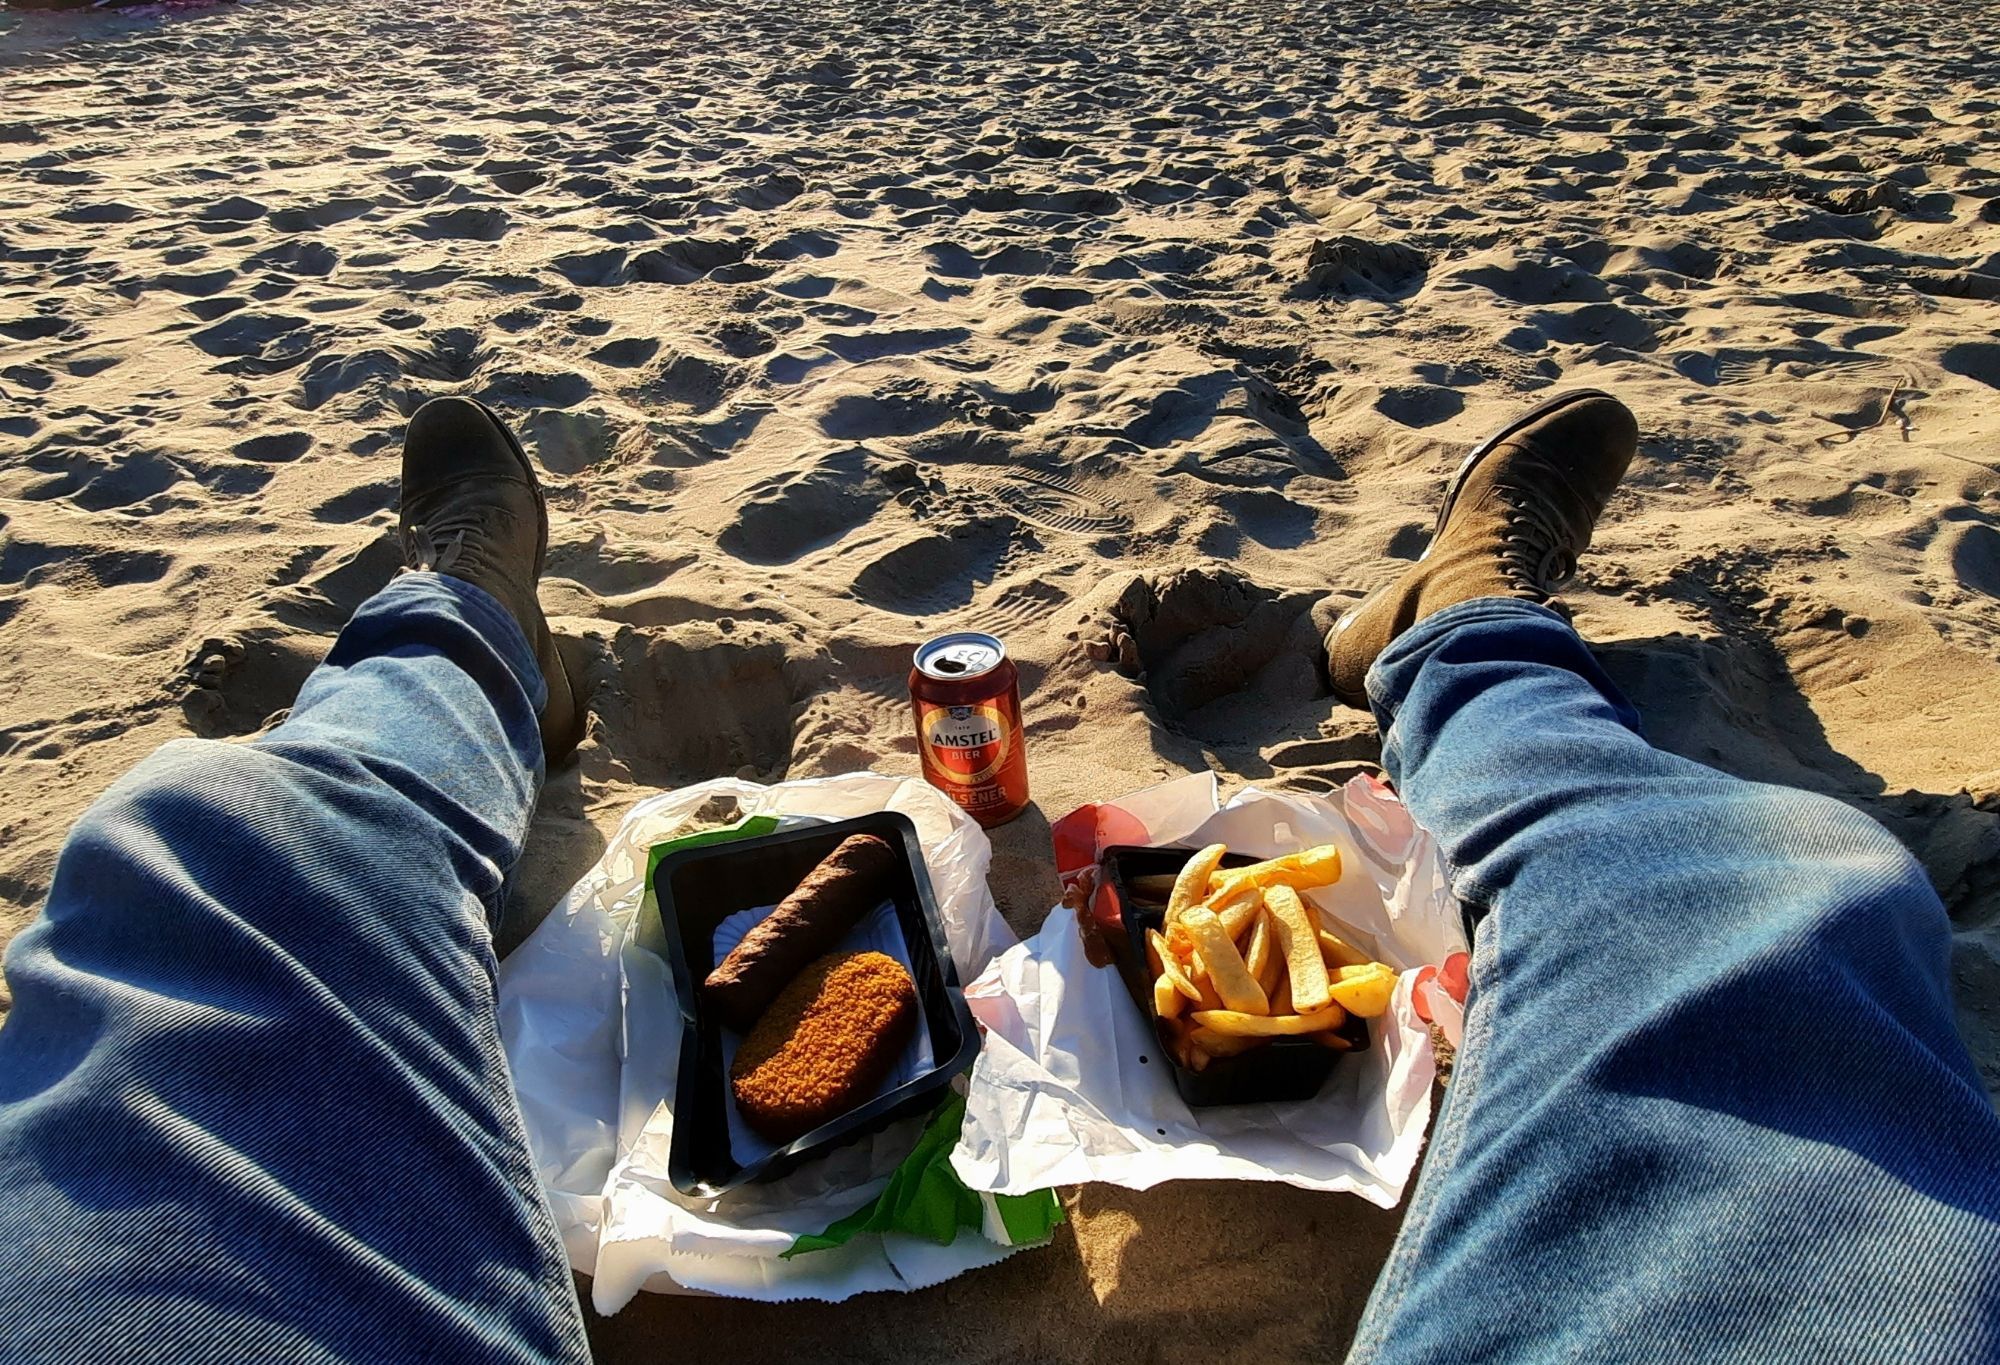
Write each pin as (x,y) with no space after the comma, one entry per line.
(825,1043)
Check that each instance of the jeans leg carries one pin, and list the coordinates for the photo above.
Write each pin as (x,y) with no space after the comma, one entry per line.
(253,1104)
(1711,1102)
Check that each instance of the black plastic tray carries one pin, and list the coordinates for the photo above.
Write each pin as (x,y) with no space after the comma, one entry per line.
(695,890)
(1282,1069)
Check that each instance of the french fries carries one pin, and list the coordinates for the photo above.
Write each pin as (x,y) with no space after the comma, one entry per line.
(1221,1044)
(1301,871)
(1365,990)
(1269,1025)
(1257,956)
(1238,910)
(1192,884)
(1243,957)
(1310,989)
(1173,974)
(1338,952)
(1239,990)
(1208,999)
(1272,974)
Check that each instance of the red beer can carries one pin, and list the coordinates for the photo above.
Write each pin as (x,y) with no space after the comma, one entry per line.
(967,696)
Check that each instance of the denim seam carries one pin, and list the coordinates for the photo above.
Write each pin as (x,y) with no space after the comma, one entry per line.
(1444,1154)
(1467,887)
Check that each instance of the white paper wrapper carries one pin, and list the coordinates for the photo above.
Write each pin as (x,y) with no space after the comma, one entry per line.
(593,1037)
(1061,1096)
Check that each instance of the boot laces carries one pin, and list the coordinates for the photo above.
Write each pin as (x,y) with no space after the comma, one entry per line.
(438,546)
(1534,551)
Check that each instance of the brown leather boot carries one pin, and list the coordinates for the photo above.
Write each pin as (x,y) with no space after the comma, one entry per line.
(472,509)
(1518,513)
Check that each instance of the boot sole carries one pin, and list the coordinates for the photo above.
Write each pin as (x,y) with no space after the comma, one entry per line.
(1486,446)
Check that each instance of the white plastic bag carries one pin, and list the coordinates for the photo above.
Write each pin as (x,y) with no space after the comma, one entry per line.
(592,1036)
(1071,1085)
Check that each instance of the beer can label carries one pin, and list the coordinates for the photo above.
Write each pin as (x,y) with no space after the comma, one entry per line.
(966,745)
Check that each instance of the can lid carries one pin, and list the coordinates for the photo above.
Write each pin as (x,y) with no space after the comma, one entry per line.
(956,658)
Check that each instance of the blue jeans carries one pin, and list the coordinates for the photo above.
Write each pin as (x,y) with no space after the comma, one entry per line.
(253,1105)
(1711,1103)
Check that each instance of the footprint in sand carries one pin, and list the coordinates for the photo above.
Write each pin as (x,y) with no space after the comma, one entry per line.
(1975,360)
(279,447)
(1045,500)
(107,482)
(321,215)
(593,269)
(1419,405)
(467,224)
(688,260)
(899,407)
(937,571)
(574,440)
(626,352)
(32,563)
(257,343)
(513,177)
(533,388)
(791,514)
(1975,559)
(692,381)
(1026,607)
(359,504)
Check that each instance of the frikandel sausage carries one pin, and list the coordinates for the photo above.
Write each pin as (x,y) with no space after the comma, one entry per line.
(807,924)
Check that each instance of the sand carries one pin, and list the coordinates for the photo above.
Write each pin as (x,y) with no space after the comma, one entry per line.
(1127,332)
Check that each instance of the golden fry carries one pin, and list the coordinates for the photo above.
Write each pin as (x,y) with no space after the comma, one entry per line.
(1167,999)
(1258,954)
(1156,956)
(1192,883)
(1301,871)
(1274,963)
(1205,997)
(1313,916)
(1310,989)
(1337,951)
(1243,1025)
(1365,989)
(1223,1044)
(1281,998)
(1237,909)
(1170,966)
(1232,980)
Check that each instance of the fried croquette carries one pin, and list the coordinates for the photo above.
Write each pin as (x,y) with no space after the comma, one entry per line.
(849,882)
(825,1044)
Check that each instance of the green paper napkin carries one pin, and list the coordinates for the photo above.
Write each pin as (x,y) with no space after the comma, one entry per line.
(926,1198)
(747,829)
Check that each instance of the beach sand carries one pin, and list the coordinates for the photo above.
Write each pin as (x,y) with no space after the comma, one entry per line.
(1125,332)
